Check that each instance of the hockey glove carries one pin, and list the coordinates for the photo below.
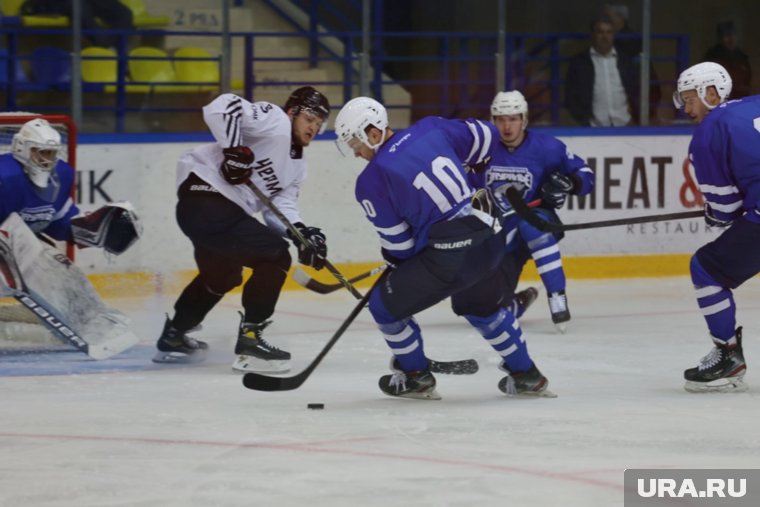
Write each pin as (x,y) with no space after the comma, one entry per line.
(714,221)
(314,253)
(237,166)
(555,189)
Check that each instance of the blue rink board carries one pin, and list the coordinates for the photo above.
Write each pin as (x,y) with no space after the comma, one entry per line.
(72,362)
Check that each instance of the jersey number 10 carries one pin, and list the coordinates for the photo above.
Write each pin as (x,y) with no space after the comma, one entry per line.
(448,174)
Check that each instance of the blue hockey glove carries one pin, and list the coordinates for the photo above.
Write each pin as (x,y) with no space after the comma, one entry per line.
(237,166)
(555,189)
(714,221)
(310,255)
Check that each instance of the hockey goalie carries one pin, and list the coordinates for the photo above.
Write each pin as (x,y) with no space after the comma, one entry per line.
(35,189)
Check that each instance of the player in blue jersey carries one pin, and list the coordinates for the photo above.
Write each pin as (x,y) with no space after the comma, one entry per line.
(725,152)
(36,184)
(539,166)
(415,193)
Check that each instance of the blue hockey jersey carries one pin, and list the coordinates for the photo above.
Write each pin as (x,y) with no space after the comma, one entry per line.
(725,152)
(19,194)
(417,178)
(527,167)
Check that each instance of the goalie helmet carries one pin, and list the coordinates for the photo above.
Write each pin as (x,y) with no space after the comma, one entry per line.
(352,122)
(700,77)
(510,103)
(36,146)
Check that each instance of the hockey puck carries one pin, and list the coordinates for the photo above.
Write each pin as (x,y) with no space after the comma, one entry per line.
(315,406)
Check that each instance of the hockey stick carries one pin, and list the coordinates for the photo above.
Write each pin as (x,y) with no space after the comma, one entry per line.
(461,367)
(297,234)
(522,209)
(304,280)
(259,382)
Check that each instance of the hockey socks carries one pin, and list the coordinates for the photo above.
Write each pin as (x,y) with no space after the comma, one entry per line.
(544,249)
(716,302)
(502,331)
(405,340)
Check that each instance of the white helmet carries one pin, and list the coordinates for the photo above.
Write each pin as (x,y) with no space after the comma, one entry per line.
(353,119)
(510,103)
(36,146)
(699,77)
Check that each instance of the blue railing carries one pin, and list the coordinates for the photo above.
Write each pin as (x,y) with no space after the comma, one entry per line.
(454,74)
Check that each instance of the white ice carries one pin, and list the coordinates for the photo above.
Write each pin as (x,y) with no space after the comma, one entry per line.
(194,436)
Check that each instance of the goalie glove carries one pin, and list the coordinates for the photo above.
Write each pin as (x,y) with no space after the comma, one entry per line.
(555,189)
(114,227)
(314,252)
(237,166)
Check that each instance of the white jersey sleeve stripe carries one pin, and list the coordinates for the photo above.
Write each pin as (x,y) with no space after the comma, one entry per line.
(476,143)
(714,189)
(405,245)
(64,209)
(486,141)
(725,208)
(393,230)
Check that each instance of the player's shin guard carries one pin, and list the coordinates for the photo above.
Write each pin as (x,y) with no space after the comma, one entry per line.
(502,331)
(715,302)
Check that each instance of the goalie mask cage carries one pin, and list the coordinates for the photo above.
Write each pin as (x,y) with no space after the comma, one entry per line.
(19,328)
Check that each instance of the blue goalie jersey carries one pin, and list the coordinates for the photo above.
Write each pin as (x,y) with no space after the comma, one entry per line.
(725,152)
(417,178)
(47,210)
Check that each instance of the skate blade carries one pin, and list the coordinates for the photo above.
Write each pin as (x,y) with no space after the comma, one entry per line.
(425,395)
(179,357)
(561,327)
(723,385)
(250,364)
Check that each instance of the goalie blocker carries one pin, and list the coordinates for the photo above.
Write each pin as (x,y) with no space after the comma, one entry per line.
(113,227)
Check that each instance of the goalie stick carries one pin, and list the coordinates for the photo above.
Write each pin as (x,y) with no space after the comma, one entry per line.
(522,209)
(297,234)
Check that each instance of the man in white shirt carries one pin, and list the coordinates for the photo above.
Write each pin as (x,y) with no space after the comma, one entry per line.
(261,143)
(601,85)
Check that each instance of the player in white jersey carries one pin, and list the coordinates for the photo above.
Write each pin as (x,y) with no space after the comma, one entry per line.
(261,143)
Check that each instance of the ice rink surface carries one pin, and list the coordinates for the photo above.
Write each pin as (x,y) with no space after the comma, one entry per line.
(125,432)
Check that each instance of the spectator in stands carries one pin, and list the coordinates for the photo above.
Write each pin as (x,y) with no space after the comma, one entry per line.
(736,62)
(602,84)
(627,41)
(112,13)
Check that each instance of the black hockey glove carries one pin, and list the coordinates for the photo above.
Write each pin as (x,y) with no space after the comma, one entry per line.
(237,166)
(714,221)
(555,189)
(310,255)
(391,260)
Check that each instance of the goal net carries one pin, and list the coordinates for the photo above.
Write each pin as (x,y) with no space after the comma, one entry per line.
(19,328)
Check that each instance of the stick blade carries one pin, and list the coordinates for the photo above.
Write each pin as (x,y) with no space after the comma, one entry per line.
(259,382)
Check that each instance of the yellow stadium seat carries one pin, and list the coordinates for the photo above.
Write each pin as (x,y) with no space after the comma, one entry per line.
(152,65)
(100,65)
(196,71)
(140,16)
(13,8)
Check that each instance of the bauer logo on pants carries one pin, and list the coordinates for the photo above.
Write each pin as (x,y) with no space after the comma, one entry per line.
(692,487)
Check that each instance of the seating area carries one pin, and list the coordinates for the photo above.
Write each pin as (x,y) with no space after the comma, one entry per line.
(11,10)
(149,70)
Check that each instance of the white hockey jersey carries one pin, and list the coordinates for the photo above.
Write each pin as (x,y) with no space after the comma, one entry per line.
(266,130)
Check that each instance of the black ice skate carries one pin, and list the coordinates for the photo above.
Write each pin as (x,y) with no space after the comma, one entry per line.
(722,370)
(559,310)
(419,385)
(174,346)
(253,352)
(525,383)
(522,301)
